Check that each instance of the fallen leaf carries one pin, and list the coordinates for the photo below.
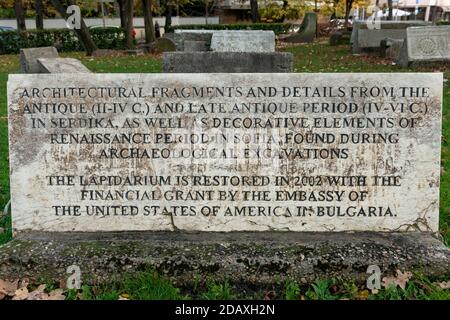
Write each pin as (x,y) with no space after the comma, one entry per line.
(122,298)
(125,295)
(399,280)
(24,283)
(444,285)
(38,294)
(56,294)
(21,294)
(63,284)
(363,295)
(8,288)
(269,295)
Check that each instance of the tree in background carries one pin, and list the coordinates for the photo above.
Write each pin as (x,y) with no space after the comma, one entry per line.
(148,21)
(128,23)
(348,8)
(254,10)
(390,14)
(122,14)
(168,14)
(290,10)
(83,33)
(39,6)
(20,16)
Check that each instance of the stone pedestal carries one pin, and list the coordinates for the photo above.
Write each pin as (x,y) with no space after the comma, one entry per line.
(248,260)
(232,62)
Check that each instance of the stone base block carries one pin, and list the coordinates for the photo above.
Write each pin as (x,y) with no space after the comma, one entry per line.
(230,62)
(245,259)
(29,57)
(62,65)
(195,46)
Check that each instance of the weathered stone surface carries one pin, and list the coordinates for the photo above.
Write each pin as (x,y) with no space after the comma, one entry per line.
(62,65)
(336,38)
(426,44)
(29,56)
(231,62)
(228,40)
(180,36)
(247,260)
(307,31)
(195,46)
(225,152)
(391,48)
(161,45)
(243,41)
(365,37)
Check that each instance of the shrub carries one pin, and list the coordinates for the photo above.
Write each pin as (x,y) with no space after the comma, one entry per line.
(62,39)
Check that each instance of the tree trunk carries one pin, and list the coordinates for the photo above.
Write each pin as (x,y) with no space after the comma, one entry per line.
(168,22)
(148,21)
(348,7)
(122,15)
(206,11)
(39,14)
(254,9)
(129,11)
(20,16)
(390,14)
(83,33)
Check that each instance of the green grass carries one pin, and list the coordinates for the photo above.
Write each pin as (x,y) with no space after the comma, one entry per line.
(291,290)
(148,285)
(144,285)
(218,291)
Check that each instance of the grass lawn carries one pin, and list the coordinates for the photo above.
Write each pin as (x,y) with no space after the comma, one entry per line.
(318,57)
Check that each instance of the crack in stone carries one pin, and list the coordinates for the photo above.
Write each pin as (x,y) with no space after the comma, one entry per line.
(172,222)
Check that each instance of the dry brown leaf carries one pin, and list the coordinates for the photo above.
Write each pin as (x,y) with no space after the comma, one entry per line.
(363,295)
(38,294)
(63,284)
(21,294)
(56,294)
(8,288)
(401,279)
(24,283)
(444,285)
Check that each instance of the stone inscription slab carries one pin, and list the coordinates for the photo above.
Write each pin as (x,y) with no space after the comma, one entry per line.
(428,43)
(225,152)
(62,65)
(243,41)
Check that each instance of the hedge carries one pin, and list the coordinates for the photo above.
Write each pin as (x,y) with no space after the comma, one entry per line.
(276,27)
(62,39)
